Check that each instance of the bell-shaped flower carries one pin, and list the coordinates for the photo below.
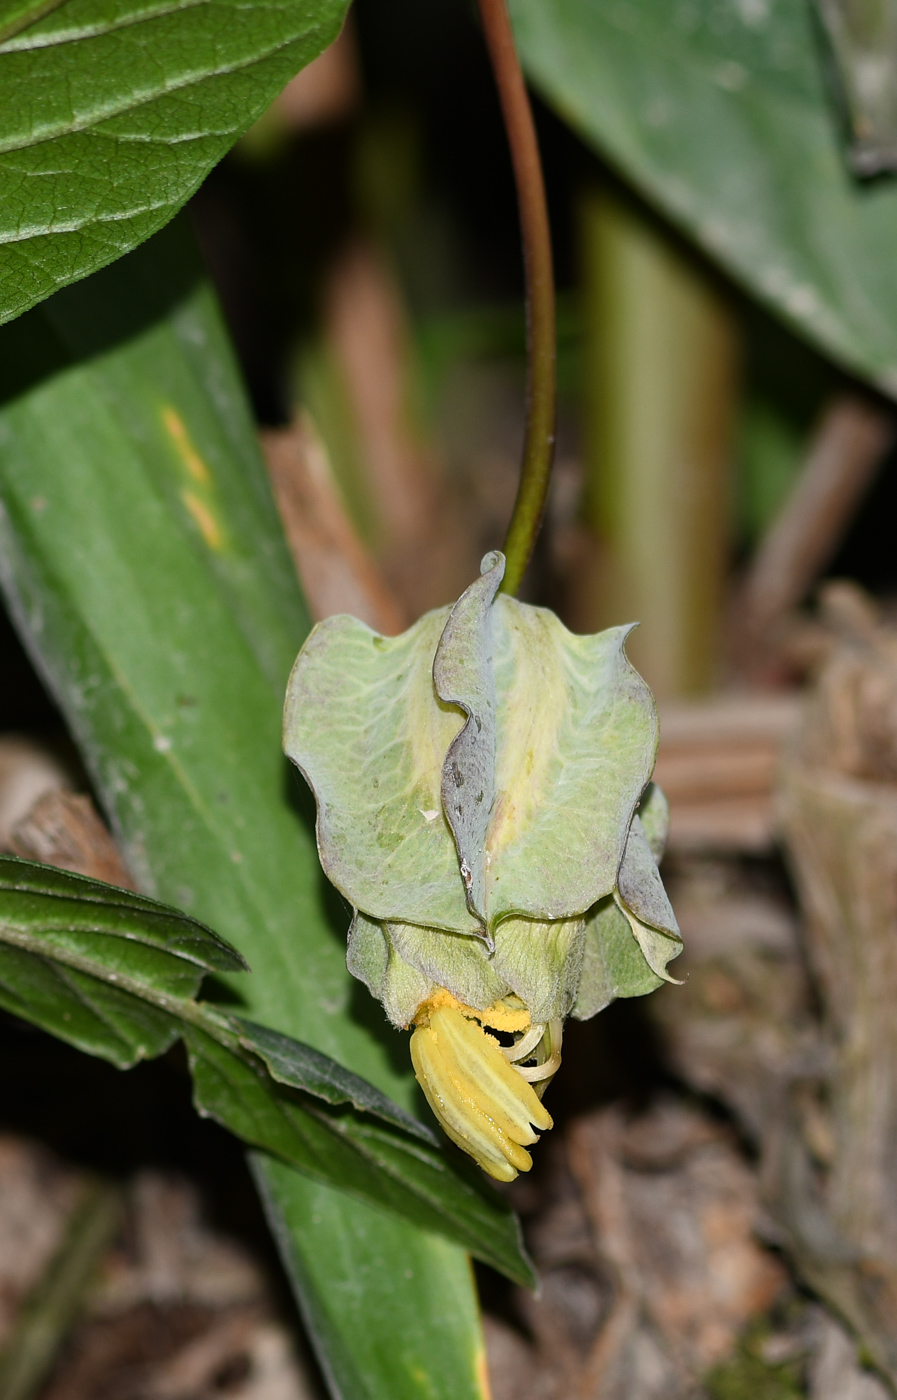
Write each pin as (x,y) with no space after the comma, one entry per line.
(484,802)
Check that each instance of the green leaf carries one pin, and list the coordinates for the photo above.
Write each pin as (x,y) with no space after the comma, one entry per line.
(91,1015)
(141,555)
(68,946)
(114,112)
(718,112)
(121,931)
(414,1179)
(301,1067)
(416,1324)
(116,975)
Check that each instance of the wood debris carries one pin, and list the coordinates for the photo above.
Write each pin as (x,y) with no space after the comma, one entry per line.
(337,573)
(717,764)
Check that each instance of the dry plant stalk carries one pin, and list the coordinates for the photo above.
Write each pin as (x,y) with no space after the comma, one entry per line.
(336,572)
(64,829)
(717,764)
(845,453)
(422,540)
(839,814)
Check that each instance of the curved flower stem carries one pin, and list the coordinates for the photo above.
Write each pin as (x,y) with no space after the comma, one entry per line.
(538,446)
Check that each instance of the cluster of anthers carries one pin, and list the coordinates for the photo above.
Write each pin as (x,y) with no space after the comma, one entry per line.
(486,1094)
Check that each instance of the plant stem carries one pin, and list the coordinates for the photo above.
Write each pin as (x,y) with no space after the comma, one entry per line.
(538,445)
(48,1316)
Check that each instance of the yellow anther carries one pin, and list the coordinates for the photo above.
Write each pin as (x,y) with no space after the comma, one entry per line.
(482,1102)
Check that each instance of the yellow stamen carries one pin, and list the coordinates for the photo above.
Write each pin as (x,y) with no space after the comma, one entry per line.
(483,1103)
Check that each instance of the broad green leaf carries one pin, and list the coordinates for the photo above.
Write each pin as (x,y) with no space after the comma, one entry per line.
(411,1177)
(92,1015)
(141,555)
(718,112)
(114,111)
(111,928)
(524,810)
(117,975)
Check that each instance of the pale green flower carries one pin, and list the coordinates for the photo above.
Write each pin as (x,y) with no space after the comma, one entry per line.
(484,803)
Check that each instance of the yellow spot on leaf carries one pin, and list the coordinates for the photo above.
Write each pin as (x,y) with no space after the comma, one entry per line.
(205,518)
(177,431)
(481,1371)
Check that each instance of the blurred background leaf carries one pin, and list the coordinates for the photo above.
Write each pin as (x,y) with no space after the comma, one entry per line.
(719,114)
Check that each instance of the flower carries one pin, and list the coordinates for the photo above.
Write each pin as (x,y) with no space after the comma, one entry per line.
(484,802)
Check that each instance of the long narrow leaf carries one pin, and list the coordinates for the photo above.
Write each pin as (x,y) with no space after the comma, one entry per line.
(141,555)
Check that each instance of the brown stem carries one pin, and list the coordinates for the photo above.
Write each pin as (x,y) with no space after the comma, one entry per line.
(538,446)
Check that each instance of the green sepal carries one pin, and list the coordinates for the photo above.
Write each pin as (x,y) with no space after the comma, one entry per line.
(477,785)
(613,963)
(374,961)
(541,963)
(643,899)
(503,788)
(452,960)
(654,813)
(376,768)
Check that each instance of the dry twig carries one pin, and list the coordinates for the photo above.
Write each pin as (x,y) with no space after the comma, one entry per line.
(64,829)
(717,765)
(845,453)
(336,571)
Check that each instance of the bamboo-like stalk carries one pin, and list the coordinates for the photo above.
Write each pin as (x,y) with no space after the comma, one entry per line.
(660,360)
(538,447)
